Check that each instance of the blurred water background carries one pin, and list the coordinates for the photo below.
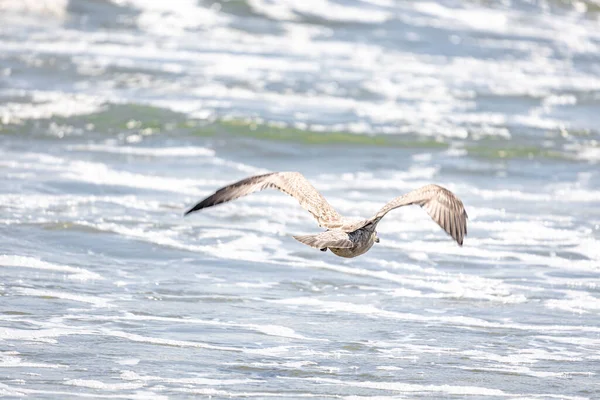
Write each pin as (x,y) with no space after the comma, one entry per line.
(116,115)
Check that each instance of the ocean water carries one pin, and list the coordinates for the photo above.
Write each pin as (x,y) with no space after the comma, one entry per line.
(117,115)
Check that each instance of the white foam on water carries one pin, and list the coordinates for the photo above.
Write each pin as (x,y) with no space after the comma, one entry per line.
(498,256)
(270,330)
(6,390)
(407,347)
(96,301)
(525,371)
(189,151)
(475,18)
(70,204)
(133,376)
(443,389)
(264,351)
(38,335)
(579,341)
(94,384)
(457,321)
(210,392)
(166,342)
(34,263)
(532,231)
(444,285)
(576,283)
(577,195)
(438,120)
(249,247)
(559,195)
(412,388)
(286,10)
(275,330)
(238,166)
(101,174)
(11,360)
(522,356)
(389,368)
(256,285)
(434,123)
(218,233)
(56,8)
(285,364)
(591,154)
(575,302)
(129,361)
(439,88)
(173,18)
(411,179)
(26,392)
(49,104)
(56,330)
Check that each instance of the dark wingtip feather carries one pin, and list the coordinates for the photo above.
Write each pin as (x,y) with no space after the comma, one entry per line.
(207,202)
(220,196)
(195,208)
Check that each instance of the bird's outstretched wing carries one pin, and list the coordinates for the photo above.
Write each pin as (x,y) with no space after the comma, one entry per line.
(292,183)
(441,204)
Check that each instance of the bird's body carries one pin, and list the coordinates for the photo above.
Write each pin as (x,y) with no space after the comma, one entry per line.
(362,240)
(346,237)
(351,244)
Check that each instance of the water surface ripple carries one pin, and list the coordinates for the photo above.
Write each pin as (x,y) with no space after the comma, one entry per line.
(116,115)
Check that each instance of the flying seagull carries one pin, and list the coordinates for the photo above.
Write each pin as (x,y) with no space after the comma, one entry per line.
(346,237)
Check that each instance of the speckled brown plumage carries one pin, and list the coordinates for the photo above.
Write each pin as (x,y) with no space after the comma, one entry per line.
(346,237)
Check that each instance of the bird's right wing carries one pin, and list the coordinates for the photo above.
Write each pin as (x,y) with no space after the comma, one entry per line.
(292,183)
(441,204)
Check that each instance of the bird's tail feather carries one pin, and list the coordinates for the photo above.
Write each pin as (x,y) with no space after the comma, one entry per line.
(323,240)
(309,240)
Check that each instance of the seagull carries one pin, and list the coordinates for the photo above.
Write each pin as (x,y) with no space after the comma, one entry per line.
(346,237)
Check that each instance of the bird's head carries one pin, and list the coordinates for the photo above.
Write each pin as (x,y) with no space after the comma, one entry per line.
(375,237)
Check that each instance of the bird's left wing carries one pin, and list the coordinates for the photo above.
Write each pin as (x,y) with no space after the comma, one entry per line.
(292,183)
